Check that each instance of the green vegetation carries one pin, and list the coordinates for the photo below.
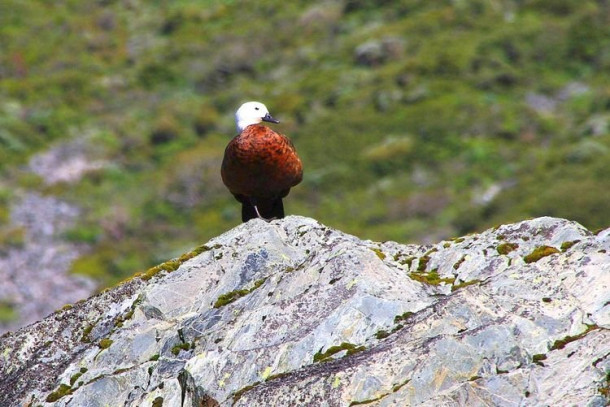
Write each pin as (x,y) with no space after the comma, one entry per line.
(7,312)
(538,358)
(403,317)
(565,246)
(458,286)
(459,263)
(239,393)
(604,388)
(540,252)
(11,238)
(181,346)
(105,343)
(506,247)
(86,337)
(229,297)
(77,376)
(62,390)
(379,253)
(348,347)
(561,343)
(406,114)
(430,278)
(381,334)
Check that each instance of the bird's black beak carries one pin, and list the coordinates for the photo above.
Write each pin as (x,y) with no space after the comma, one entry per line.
(268,118)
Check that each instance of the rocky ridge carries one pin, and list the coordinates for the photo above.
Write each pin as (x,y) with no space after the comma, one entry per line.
(295,313)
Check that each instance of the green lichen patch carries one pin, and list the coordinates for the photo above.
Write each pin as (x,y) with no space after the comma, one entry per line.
(423,263)
(105,343)
(459,263)
(604,389)
(86,336)
(565,246)
(540,252)
(561,343)
(237,395)
(12,238)
(399,386)
(430,278)
(399,319)
(345,346)
(537,359)
(506,247)
(403,317)
(395,388)
(62,390)
(456,287)
(121,319)
(382,334)
(229,297)
(407,261)
(173,264)
(367,401)
(8,313)
(182,346)
(75,377)
(154,358)
(168,266)
(157,402)
(379,253)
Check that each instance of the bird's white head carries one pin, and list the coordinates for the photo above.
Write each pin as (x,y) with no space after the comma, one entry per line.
(252,113)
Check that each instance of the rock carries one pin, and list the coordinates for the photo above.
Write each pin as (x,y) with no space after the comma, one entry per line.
(295,313)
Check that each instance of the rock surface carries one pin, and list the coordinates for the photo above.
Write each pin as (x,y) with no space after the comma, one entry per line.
(294,313)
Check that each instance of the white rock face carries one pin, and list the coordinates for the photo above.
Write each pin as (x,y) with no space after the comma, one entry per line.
(294,313)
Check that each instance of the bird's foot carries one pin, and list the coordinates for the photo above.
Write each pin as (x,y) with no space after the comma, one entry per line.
(261,216)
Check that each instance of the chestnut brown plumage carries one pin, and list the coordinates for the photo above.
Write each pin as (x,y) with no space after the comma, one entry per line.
(260,165)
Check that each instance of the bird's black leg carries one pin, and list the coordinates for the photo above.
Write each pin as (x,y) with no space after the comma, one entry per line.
(247,211)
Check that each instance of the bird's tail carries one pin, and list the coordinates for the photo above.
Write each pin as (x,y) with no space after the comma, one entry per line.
(262,208)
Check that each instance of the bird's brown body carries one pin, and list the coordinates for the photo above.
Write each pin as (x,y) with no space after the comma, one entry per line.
(259,168)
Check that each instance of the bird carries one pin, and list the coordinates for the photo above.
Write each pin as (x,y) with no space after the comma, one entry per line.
(260,165)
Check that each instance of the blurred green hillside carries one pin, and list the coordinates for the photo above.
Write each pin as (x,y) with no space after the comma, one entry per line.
(415,120)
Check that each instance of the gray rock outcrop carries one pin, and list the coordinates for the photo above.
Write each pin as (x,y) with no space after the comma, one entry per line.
(295,313)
